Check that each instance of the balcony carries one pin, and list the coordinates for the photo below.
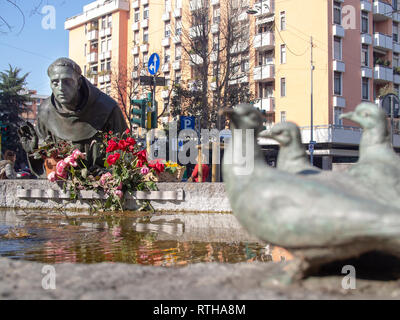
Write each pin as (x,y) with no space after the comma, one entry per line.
(177,12)
(145,23)
(264,73)
(338,31)
(381,10)
(239,47)
(263,41)
(165,94)
(135,50)
(91,58)
(366,72)
(195,59)
(214,2)
(105,55)
(383,41)
(196,31)
(339,102)
(176,39)
(165,67)
(213,56)
(135,75)
(135,26)
(92,35)
(366,5)
(339,66)
(265,8)
(144,47)
(166,16)
(383,74)
(396,47)
(95,10)
(104,78)
(396,78)
(195,5)
(144,2)
(165,42)
(267,104)
(105,32)
(240,78)
(176,65)
(214,28)
(366,39)
(135,4)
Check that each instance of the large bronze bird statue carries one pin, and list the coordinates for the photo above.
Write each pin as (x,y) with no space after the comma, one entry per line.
(317,221)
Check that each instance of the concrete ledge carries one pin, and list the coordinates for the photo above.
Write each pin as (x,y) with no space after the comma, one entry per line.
(171,197)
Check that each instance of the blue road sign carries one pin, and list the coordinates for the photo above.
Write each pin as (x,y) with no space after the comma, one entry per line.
(154,63)
(187,122)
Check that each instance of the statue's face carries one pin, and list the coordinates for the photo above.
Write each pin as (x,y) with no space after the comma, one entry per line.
(65,84)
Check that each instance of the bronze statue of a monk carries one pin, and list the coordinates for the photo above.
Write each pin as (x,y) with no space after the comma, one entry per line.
(76,112)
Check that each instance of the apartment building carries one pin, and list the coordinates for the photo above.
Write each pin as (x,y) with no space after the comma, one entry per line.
(32,106)
(354,57)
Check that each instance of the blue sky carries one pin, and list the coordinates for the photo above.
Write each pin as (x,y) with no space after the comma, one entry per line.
(34,48)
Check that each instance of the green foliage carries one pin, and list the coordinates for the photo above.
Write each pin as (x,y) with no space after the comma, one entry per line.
(12,104)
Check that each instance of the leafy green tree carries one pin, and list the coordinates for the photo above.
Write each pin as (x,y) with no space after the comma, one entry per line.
(13,100)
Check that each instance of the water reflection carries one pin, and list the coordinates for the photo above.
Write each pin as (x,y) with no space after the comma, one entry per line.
(111,239)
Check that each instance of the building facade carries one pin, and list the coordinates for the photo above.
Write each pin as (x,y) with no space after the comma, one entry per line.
(344,51)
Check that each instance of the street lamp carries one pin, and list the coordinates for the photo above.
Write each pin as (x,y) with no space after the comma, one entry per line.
(255,10)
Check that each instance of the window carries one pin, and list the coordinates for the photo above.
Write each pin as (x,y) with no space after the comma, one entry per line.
(103,22)
(108,65)
(365,55)
(167,30)
(84,74)
(337,48)
(337,13)
(145,35)
(146,12)
(337,84)
(145,59)
(109,44)
(365,88)
(244,65)
(283,116)
(364,22)
(137,15)
(283,53)
(337,113)
(178,52)
(136,37)
(103,46)
(102,66)
(395,61)
(265,90)
(85,50)
(109,21)
(395,32)
(283,20)
(283,87)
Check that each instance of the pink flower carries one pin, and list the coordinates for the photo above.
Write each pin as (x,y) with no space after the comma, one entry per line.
(52,177)
(119,194)
(70,160)
(120,186)
(60,168)
(144,171)
(104,178)
(76,154)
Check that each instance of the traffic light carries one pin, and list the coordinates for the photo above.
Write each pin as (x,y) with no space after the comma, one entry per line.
(139,112)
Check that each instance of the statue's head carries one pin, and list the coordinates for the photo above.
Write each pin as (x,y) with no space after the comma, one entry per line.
(65,81)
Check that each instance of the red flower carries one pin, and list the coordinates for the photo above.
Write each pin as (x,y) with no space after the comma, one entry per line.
(123,145)
(158,167)
(127,131)
(113,158)
(140,163)
(106,136)
(110,132)
(142,155)
(131,141)
(112,146)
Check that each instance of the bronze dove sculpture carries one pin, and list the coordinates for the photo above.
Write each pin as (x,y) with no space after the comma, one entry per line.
(318,222)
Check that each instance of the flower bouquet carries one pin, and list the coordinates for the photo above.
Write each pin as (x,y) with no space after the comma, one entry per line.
(125,168)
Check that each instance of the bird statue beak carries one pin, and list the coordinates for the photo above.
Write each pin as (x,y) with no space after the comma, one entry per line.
(349,115)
